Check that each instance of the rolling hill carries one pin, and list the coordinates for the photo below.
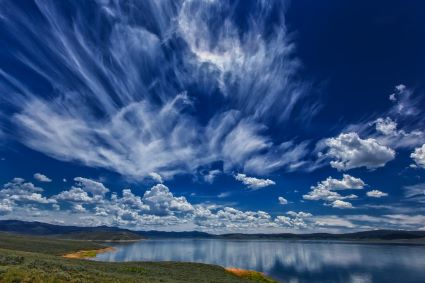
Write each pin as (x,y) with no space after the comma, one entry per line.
(105,233)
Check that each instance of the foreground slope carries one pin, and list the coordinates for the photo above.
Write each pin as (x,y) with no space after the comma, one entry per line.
(36,259)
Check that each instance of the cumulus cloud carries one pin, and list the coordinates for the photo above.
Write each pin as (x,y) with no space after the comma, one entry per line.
(42,178)
(400,138)
(419,156)
(386,126)
(90,186)
(325,190)
(300,214)
(74,195)
(19,191)
(401,126)
(297,220)
(376,194)
(162,202)
(158,207)
(350,151)
(346,183)
(282,200)
(6,206)
(341,204)
(252,182)
(79,208)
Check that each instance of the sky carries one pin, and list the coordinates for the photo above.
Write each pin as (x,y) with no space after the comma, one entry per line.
(219,116)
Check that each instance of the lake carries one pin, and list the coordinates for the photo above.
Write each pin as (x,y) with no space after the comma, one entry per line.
(288,261)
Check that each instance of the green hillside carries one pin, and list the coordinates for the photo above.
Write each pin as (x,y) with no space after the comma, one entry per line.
(36,259)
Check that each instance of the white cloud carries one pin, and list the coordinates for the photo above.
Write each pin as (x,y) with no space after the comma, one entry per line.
(333,221)
(341,204)
(388,132)
(398,91)
(297,220)
(282,200)
(242,60)
(224,195)
(419,156)
(5,206)
(415,192)
(133,114)
(90,186)
(157,208)
(325,190)
(346,183)
(391,221)
(376,194)
(42,178)
(404,104)
(19,191)
(350,151)
(400,87)
(252,182)
(156,177)
(300,214)
(386,126)
(162,202)
(74,195)
(79,208)
(210,176)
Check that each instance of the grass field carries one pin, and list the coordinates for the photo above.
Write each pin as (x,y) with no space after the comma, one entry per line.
(37,259)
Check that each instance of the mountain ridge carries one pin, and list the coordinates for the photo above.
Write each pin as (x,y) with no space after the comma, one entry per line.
(77,232)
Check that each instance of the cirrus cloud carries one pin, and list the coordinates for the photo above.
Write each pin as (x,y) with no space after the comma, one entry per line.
(135,113)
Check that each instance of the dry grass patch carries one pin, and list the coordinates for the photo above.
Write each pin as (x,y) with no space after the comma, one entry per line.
(250,275)
(87,254)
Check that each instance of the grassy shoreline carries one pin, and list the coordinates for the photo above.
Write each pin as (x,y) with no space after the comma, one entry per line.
(40,259)
(86,254)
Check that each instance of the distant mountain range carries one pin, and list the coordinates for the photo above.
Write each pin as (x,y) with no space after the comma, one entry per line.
(103,233)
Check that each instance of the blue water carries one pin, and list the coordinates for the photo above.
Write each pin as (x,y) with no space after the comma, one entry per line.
(288,261)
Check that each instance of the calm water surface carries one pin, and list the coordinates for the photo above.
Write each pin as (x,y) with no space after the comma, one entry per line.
(288,261)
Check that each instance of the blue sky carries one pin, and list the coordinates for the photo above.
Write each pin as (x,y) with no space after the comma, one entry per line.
(220,116)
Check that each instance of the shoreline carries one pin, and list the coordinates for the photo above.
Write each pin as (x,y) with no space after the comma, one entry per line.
(238,272)
(87,254)
(249,274)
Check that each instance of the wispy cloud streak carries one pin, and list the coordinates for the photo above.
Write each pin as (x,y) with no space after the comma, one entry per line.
(123,85)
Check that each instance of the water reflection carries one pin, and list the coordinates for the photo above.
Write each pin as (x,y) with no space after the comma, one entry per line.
(289,261)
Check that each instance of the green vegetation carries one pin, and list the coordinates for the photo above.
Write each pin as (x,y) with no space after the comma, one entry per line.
(45,245)
(115,236)
(36,259)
